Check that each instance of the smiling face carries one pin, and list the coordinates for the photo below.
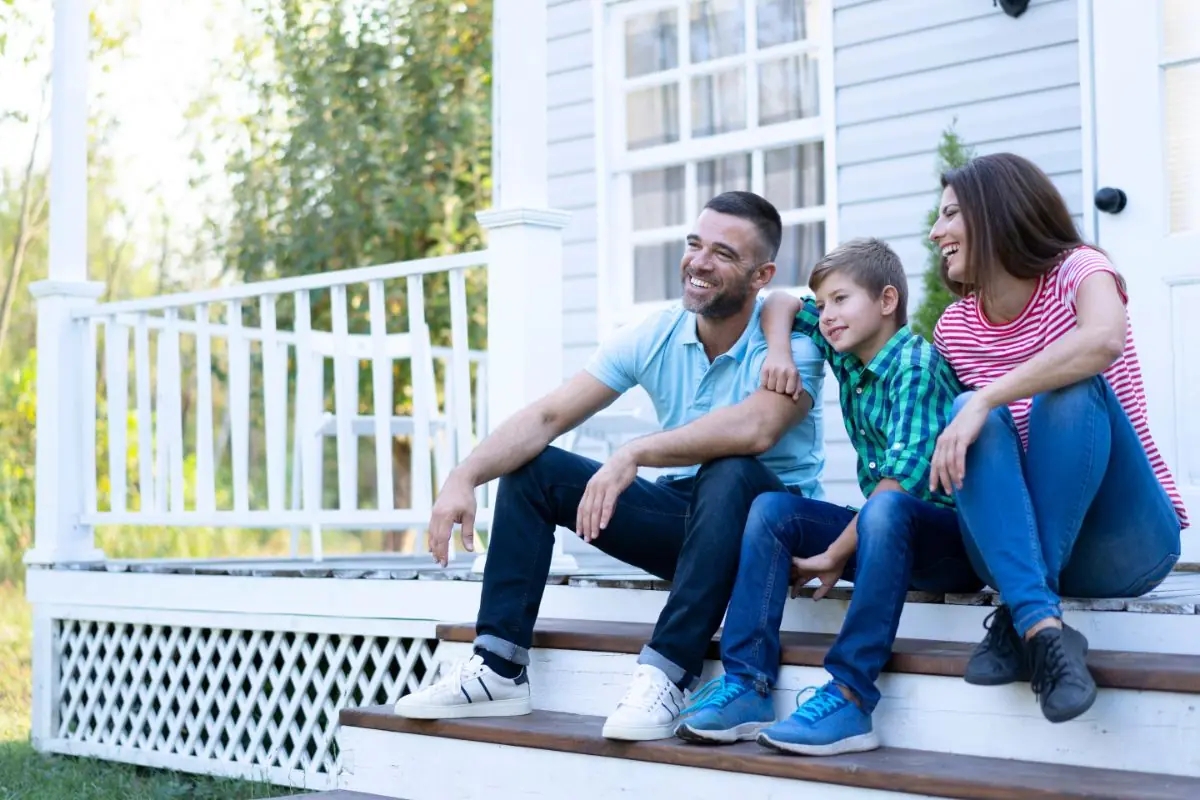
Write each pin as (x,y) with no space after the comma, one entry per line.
(721,270)
(950,234)
(851,320)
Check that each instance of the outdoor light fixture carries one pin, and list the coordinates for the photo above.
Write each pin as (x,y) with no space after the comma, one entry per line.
(1014,8)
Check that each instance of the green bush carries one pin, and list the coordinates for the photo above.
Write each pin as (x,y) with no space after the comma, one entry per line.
(951,154)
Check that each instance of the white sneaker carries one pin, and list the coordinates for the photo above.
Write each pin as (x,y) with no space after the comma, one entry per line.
(649,709)
(468,689)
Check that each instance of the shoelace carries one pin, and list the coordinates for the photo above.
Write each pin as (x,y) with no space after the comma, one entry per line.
(997,637)
(459,673)
(645,692)
(1049,665)
(716,693)
(824,702)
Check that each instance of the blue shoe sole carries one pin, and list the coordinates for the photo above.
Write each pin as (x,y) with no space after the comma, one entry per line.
(851,744)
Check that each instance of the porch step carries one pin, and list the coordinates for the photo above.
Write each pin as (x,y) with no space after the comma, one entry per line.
(1147,711)
(545,752)
(1161,672)
(337,794)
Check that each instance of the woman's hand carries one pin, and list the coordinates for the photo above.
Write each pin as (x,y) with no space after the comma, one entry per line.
(949,464)
(779,374)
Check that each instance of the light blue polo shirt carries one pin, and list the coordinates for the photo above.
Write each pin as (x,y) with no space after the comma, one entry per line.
(664,356)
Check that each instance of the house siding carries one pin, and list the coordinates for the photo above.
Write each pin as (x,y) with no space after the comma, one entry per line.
(904,70)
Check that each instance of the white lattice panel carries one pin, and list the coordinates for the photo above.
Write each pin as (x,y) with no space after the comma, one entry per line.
(265,701)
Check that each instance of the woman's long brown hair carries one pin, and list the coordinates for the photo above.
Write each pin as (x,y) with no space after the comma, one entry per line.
(1015,218)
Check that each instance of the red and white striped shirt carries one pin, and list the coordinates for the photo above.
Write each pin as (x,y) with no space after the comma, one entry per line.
(980,351)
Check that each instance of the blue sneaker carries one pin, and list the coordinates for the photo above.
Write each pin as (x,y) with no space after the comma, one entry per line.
(724,711)
(827,724)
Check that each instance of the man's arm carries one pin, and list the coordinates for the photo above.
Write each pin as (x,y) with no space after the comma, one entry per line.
(528,432)
(751,427)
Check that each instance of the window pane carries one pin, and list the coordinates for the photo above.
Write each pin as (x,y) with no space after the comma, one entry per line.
(1181,29)
(657,198)
(652,116)
(651,43)
(656,272)
(1181,127)
(719,103)
(803,245)
(795,176)
(787,90)
(727,174)
(782,21)
(718,29)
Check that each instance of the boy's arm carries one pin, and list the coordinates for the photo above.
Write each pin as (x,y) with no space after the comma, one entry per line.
(783,316)
(920,399)
(777,317)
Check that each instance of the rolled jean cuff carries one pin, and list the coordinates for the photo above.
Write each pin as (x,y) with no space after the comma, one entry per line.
(674,672)
(1031,618)
(506,650)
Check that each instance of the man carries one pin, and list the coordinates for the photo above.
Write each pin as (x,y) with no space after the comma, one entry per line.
(700,363)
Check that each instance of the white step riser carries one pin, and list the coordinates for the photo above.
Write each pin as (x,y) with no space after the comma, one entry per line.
(1106,630)
(428,768)
(1130,730)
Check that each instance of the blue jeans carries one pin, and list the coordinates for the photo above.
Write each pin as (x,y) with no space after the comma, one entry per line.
(1079,512)
(903,542)
(685,530)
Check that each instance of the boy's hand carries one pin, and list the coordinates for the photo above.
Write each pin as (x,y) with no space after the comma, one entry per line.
(779,374)
(828,567)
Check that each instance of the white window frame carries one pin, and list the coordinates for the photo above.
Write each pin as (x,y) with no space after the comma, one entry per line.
(616,237)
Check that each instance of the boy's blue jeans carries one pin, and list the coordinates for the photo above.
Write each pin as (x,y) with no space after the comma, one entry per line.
(902,541)
(1079,513)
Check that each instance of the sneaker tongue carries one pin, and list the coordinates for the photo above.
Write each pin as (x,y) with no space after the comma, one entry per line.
(648,686)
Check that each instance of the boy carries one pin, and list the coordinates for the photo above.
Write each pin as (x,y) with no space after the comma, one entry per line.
(896,395)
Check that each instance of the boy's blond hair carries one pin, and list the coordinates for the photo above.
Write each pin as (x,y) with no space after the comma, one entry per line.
(872,264)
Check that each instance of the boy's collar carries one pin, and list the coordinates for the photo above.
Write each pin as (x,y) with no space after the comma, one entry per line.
(883,359)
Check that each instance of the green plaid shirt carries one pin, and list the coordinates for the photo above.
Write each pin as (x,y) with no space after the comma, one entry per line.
(894,407)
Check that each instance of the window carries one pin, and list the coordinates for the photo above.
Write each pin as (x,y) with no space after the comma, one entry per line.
(705,96)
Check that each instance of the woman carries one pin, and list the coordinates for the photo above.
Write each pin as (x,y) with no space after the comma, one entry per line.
(1059,486)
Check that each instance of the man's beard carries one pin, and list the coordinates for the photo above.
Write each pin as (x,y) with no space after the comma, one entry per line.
(722,305)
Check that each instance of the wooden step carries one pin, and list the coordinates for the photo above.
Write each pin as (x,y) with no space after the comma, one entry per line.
(913,772)
(1163,672)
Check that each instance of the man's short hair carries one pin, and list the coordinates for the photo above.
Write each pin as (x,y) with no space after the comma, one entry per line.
(872,264)
(760,212)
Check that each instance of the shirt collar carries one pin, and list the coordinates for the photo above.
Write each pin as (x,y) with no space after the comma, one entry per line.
(689,335)
(882,361)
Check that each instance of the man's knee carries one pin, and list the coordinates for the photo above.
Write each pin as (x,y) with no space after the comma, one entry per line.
(537,473)
(736,471)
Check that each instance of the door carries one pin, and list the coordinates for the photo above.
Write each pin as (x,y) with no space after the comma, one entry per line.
(1146,57)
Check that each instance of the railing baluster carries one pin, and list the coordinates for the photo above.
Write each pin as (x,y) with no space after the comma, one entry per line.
(345,402)
(460,364)
(88,329)
(162,441)
(423,396)
(173,378)
(274,404)
(381,379)
(116,371)
(309,386)
(145,416)
(239,405)
(206,494)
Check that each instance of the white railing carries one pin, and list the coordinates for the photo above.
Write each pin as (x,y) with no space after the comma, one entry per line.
(258,369)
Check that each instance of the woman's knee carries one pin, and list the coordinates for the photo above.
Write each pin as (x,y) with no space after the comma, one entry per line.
(1068,402)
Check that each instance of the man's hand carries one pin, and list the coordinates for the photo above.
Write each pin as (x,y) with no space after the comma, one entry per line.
(828,567)
(779,374)
(455,503)
(600,497)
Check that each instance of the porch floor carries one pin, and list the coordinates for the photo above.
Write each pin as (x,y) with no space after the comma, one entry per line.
(1178,594)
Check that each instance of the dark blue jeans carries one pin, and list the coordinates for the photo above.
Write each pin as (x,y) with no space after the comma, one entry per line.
(688,531)
(1079,513)
(903,542)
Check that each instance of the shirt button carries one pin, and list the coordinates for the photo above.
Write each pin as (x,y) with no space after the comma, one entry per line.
(871,465)
(858,390)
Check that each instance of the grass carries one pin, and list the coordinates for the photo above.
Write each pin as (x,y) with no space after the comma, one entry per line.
(28,775)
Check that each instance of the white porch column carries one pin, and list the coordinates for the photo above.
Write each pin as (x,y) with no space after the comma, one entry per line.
(58,536)
(525,338)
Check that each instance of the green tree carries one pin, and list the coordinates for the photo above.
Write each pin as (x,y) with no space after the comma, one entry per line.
(951,154)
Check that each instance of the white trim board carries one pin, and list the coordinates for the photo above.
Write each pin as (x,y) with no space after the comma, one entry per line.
(399,765)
